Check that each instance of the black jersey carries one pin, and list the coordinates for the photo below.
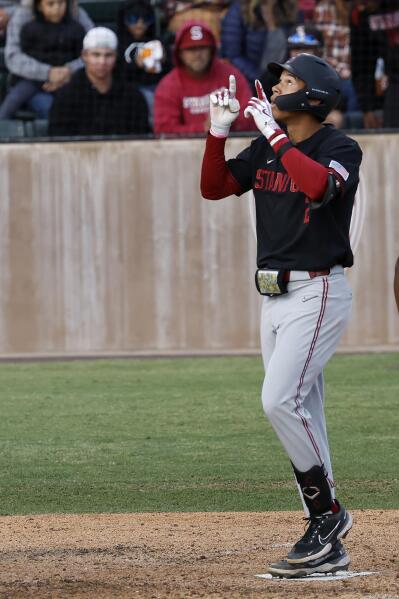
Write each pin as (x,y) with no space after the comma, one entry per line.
(290,235)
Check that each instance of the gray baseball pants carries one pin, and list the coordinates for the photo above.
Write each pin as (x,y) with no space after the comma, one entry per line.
(300,332)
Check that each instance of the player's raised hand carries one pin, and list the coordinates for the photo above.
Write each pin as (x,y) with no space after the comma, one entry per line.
(224,109)
(261,111)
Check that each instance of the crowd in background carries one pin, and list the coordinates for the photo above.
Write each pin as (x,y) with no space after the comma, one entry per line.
(152,70)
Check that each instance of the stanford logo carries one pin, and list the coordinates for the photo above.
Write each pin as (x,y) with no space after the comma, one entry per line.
(196,33)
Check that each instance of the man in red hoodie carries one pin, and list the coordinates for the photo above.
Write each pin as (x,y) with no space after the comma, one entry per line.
(181,102)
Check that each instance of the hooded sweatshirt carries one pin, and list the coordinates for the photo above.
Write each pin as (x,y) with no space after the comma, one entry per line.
(182,101)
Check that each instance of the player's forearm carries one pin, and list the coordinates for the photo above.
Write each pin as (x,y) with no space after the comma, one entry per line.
(310,176)
(217,182)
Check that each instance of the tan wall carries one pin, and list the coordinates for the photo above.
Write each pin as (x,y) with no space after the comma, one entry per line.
(109,247)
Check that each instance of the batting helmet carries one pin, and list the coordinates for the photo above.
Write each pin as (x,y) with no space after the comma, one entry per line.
(321,83)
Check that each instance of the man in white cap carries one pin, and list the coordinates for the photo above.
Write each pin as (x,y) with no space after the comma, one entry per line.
(96,101)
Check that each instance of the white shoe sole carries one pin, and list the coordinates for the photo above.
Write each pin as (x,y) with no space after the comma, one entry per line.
(300,572)
(327,548)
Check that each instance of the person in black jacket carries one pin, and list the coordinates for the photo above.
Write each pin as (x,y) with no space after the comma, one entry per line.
(375,39)
(97,101)
(143,55)
(52,37)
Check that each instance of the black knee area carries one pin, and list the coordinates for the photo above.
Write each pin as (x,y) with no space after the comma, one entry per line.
(315,489)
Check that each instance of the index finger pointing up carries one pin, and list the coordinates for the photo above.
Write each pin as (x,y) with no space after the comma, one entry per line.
(259,90)
(232,86)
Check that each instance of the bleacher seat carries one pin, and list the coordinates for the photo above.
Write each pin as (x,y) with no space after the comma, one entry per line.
(11,129)
(36,128)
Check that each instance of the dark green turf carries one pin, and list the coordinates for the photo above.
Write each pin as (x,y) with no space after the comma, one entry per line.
(183,435)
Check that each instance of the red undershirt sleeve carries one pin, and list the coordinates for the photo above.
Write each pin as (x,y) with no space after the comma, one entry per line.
(310,176)
(217,182)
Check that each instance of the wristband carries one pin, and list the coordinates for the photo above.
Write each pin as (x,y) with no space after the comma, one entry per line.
(219,130)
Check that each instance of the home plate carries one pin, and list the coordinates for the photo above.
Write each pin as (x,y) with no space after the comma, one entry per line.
(340,575)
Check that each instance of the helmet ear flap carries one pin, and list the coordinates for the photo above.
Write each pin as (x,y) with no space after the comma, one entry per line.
(299,102)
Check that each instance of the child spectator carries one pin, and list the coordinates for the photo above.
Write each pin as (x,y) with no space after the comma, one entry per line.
(53,37)
(142,54)
(96,101)
(22,65)
(254,33)
(182,96)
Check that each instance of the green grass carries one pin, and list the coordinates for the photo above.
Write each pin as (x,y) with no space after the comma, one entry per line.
(183,435)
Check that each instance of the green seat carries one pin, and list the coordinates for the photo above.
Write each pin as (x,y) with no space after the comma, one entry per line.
(36,128)
(11,129)
(102,12)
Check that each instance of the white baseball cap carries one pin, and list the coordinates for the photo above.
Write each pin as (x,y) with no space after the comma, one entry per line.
(100,37)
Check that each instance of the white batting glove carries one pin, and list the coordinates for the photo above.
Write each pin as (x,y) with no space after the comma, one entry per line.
(261,111)
(224,109)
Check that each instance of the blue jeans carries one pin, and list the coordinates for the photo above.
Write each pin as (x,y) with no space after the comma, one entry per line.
(348,92)
(17,96)
(41,104)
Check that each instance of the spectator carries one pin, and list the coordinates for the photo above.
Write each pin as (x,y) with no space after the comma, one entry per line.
(332,18)
(143,56)
(182,97)
(254,34)
(52,37)
(7,8)
(96,101)
(22,65)
(375,36)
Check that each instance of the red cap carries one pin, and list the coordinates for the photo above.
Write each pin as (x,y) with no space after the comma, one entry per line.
(196,36)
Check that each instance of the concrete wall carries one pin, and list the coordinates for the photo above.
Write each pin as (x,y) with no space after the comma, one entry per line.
(108,246)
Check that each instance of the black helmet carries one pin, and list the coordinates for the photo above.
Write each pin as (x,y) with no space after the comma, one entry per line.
(322,83)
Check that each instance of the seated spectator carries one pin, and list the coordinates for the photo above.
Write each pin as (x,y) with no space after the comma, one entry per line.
(182,97)
(144,57)
(375,36)
(22,65)
(7,8)
(252,35)
(53,37)
(331,17)
(96,101)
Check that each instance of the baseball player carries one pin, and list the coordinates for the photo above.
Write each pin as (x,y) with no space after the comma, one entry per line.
(396,283)
(304,177)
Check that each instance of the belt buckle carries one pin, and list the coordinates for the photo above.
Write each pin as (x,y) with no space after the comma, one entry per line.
(270,282)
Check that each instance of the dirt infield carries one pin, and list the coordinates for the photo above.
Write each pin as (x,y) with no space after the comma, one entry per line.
(183,556)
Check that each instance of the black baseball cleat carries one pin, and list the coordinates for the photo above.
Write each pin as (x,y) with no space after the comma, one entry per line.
(336,560)
(322,534)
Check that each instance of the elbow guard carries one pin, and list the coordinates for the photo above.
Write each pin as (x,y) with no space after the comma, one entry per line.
(333,190)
